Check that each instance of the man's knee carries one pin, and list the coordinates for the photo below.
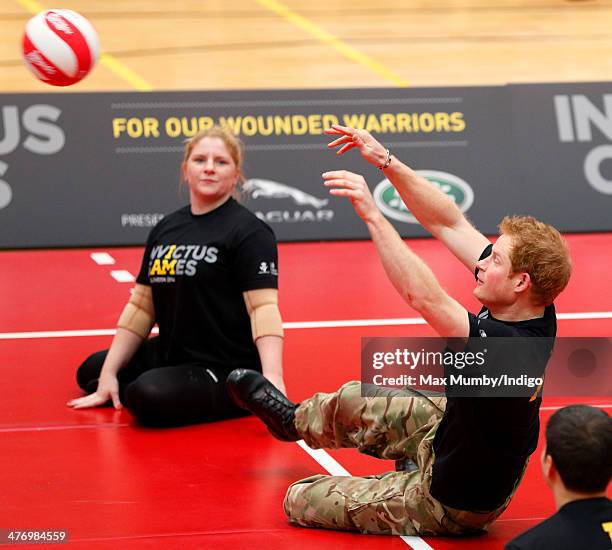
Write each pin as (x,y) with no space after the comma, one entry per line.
(375,504)
(293,498)
(313,502)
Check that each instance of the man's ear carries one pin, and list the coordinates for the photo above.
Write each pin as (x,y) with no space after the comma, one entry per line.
(548,467)
(523,282)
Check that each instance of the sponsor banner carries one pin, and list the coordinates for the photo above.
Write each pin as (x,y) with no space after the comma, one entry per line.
(563,136)
(392,206)
(488,367)
(89,169)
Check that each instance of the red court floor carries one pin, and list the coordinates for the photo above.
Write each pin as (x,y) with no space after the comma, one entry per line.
(114,484)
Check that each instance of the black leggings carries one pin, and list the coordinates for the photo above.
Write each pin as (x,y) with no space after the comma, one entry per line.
(160,395)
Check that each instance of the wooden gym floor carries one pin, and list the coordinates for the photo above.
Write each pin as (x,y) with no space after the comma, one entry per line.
(247,44)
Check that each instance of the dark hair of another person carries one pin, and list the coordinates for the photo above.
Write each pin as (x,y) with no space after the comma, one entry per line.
(579,440)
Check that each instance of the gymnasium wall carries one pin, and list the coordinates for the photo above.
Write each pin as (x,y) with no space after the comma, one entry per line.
(92,169)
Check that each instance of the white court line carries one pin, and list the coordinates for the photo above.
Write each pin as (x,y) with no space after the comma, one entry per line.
(336,469)
(355,323)
(290,326)
(62,333)
(61,427)
(102,258)
(324,459)
(421,321)
(122,276)
(587,315)
(55,334)
(417,543)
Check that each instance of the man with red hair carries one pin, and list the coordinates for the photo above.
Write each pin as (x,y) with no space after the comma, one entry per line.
(470,452)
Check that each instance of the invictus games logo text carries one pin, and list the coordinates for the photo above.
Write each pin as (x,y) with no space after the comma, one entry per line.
(577,115)
(390,203)
(168,261)
(34,128)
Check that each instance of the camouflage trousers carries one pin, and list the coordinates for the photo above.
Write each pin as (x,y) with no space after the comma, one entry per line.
(397,424)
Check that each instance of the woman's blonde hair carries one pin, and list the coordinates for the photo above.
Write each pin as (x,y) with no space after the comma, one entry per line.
(232,143)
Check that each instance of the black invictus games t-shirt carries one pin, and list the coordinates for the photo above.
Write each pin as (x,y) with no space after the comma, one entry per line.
(578,525)
(198,267)
(482,443)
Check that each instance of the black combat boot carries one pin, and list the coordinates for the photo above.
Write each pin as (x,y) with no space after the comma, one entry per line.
(252,391)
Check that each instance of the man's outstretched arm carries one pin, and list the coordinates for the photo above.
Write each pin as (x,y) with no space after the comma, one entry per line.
(410,275)
(434,210)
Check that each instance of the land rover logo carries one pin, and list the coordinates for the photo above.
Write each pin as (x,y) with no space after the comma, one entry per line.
(391,205)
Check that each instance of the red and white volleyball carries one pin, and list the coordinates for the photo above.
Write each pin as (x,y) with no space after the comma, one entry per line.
(60,47)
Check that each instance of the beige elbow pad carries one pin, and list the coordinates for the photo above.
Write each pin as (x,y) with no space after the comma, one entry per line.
(138,315)
(262,306)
